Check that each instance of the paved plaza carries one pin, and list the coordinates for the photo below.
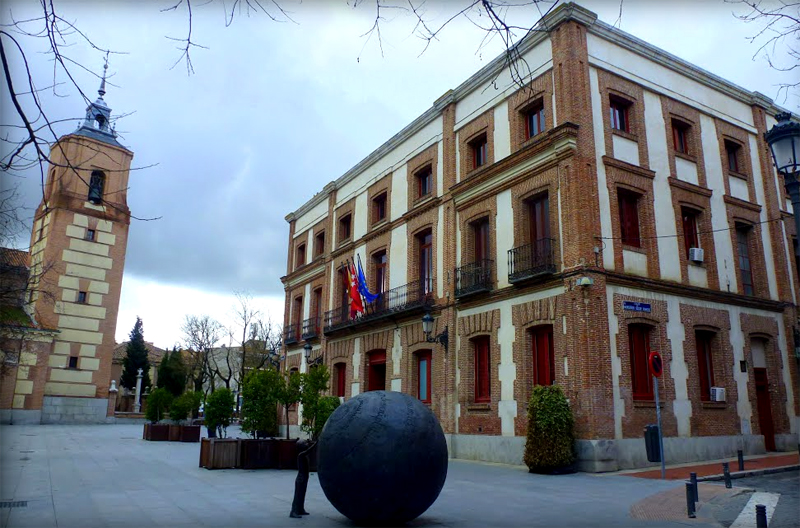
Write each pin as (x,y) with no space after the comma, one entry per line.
(106,475)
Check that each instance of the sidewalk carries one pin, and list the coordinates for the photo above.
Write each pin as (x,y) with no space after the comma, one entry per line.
(713,468)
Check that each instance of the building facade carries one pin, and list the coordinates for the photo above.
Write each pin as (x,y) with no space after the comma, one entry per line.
(618,201)
(77,256)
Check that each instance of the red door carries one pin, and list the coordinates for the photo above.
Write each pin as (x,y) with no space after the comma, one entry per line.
(764,408)
(376,377)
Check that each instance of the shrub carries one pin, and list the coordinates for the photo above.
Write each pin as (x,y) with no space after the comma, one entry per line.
(325,408)
(260,403)
(550,438)
(289,392)
(158,403)
(219,411)
(182,406)
(316,408)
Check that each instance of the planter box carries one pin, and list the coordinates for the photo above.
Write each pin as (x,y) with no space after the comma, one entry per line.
(175,433)
(287,454)
(220,453)
(259,454)
(156,432)
(190,433)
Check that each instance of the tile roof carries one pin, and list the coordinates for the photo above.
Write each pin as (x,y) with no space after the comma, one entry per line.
(154,354)
(14,258)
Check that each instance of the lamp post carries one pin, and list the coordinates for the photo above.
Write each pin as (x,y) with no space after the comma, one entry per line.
(307,350)
(784,142)
(427,328)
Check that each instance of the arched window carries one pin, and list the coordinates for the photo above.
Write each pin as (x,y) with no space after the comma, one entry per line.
(96,185)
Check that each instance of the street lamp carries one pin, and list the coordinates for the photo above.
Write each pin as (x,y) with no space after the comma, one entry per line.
(309,362)
(784,142)
(274,357)
(427,328)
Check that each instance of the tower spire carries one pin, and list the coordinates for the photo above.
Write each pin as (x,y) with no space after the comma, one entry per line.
(102,90)
(97,123)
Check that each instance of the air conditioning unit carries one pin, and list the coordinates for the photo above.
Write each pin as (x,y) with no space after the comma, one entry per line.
(696,254)
(718,394)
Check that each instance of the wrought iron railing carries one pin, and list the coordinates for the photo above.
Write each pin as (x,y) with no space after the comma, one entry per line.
(531,260)
(407,297)
(311,328)
(474,278)
(291,334)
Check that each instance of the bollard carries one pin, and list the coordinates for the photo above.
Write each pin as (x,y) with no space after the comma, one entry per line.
(761,516)
(690,500)
(727,474)
(740,455)
(693,480)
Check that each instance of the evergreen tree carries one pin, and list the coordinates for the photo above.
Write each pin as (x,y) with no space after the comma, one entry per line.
(172,373)
(135,358)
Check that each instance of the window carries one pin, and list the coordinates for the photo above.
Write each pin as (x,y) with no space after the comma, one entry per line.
(425,242)
(538,209)
(544,368)
(424,376)
(479,151)
(379,208)
(705,365)
(344,227)
(480,232)
(380,260)
(376,372)
(90,234)
(81,297)
(300,257)
(298,316)
(690,237)
(743,247)
(316,306)
(319,244)
(732,151)
(639,343)
(96,184)
(619,113)
(629,217)
(73,362)
(40,233)
(680,134)
(424,181)
(339,375)
(534,120)
(482,385)
(344,298)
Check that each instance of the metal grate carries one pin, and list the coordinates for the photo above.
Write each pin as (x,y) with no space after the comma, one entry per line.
(13,504)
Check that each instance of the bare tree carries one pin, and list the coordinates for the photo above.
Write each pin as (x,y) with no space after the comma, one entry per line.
(200,335)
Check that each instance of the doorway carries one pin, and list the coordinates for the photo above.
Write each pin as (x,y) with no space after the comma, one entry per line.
(764,406)
(376,370)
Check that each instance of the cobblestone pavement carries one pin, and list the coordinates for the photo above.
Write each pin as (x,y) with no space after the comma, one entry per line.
(106,475)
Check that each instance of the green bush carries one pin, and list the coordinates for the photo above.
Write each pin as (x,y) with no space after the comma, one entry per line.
(260,402)
(158,403)
(219,411)
(182,406)
(325,408)
(316,408)
(550,438)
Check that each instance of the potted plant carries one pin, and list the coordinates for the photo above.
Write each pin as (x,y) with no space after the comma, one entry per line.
(550,442)
(158,404)
(316,407)
(288,393)
(219,452)
(260,419)
(180,410)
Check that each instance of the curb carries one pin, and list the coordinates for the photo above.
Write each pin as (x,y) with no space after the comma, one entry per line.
(750,473)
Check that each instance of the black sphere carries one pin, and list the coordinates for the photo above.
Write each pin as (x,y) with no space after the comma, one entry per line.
(382,458)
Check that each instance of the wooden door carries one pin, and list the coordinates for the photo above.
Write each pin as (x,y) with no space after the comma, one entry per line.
(764,408)
(376,376)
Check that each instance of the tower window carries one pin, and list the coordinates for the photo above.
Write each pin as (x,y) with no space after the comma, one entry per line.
(81,297)
(73,362)
(96,185)
(90,234)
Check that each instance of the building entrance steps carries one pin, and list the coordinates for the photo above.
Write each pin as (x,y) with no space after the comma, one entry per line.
(712,469)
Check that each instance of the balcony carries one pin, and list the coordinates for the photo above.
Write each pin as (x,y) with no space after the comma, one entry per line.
(396,301)
(531,261)
(291,334)
(474,278)
(311,328)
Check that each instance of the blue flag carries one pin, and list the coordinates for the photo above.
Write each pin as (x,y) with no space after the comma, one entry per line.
(362,286)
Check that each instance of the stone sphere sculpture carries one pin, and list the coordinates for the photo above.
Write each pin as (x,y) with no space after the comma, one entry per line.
(382,458)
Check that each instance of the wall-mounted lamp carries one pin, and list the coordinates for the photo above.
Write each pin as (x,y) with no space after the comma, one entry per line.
(427,328)
(316,361)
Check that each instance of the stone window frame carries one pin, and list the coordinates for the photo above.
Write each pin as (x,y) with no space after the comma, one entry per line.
(347,208)
(685,194)
(614,86)
(539,89)
(727,132)
(467,135)
(427,158)
(381,187)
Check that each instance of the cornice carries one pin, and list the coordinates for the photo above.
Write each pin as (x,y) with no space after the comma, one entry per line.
(744,204)
(629,167)
(305,274)
(690,187)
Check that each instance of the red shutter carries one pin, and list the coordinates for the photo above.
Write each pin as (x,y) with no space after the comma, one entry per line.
(641,381)
(482,393)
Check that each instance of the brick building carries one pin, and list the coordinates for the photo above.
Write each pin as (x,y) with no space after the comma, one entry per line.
(58,351)
(619,201)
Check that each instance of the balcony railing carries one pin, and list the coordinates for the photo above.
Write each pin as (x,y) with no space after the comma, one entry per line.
(291,334)
(532,260)
(311,328)
(474,278)
(395,301)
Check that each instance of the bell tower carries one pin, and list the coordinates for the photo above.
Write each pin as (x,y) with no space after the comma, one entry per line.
(78,245)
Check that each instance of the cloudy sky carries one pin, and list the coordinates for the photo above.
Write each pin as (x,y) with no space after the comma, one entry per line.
(274,111)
